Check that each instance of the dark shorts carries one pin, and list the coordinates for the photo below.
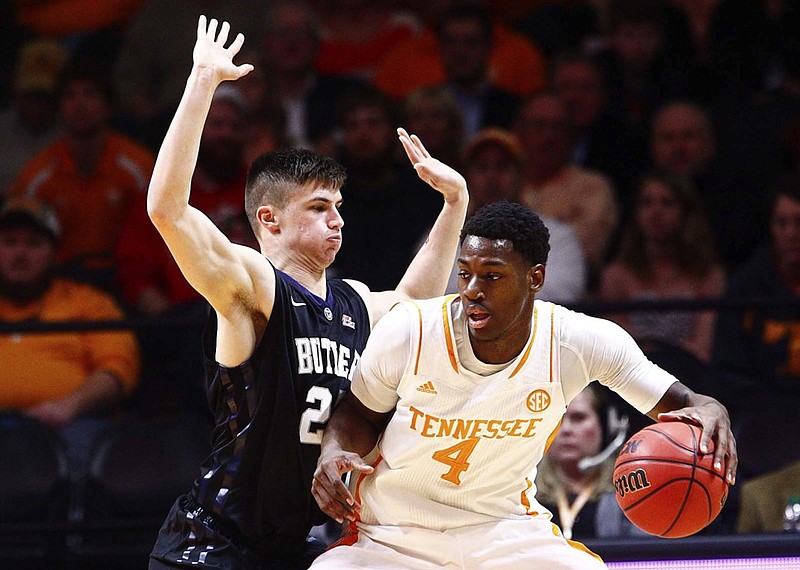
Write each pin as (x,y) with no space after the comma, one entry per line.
(191,538)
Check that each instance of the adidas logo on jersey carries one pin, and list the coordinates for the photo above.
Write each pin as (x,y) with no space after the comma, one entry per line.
(427,387)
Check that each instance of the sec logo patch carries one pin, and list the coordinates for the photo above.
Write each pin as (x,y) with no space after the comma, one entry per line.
(538,401)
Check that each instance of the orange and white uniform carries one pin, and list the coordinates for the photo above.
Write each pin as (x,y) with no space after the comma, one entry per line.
(454,471)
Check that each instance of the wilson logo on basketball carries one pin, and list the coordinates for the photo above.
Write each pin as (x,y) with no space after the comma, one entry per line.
(631,483)
(538,401)
(630,447)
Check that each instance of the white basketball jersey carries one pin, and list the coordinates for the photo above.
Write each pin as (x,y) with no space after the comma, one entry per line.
(462,449)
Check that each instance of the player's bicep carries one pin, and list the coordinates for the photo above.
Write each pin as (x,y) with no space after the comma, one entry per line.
(384,362)
(221,271)
(610,355)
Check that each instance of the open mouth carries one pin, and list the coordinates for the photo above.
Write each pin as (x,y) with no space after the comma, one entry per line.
(477,317)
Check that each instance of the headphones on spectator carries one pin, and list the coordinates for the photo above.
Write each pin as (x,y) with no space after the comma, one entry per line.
(614,425)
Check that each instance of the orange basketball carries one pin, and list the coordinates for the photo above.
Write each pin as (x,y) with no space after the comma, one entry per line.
(665,485)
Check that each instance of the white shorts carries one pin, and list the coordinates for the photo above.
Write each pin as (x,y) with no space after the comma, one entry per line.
(507,544)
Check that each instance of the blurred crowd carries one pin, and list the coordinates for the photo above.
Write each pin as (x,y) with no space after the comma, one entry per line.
(658,139)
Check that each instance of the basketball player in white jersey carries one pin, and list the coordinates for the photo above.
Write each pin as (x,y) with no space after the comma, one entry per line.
(453,406)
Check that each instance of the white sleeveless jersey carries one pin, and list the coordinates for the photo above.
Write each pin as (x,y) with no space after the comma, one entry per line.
(462,448)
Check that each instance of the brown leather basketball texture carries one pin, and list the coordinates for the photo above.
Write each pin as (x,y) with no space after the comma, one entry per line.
(665,485)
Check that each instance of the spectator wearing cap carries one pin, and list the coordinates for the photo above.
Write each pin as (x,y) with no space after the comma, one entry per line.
(148,278)
(30,122)
(495,171)
(91,176)
(70,381)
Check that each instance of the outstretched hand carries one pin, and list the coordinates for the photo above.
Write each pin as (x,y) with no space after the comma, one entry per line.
(332,495)
(211,55)
(437,174)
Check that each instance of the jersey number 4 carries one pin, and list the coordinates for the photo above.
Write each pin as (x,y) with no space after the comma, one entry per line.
(309,432)
(456,457)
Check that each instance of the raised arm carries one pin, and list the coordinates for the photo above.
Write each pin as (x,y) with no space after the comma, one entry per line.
(219,270)
(429,271)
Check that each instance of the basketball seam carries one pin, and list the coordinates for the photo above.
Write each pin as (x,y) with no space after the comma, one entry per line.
(695,470)
(670,461)
(689,487)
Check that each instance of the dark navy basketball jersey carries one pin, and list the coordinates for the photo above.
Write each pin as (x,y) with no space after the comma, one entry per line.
(270,412)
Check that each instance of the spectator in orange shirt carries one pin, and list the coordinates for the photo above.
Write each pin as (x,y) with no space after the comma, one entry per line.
(515,64)
(72,380)
(63,18)
(30,122)
(91,177)
(356,34)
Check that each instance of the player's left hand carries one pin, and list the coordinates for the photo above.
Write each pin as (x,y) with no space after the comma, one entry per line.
(437,174)
(713,418)
(330,492)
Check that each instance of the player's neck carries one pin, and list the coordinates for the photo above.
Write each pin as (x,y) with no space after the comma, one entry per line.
(314,281)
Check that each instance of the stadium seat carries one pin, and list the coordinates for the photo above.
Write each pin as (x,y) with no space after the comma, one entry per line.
(34,494)
(137,470)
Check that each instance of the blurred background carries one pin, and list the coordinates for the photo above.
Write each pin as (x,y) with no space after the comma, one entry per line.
(658,139)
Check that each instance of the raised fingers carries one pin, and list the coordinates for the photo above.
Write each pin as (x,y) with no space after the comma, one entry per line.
(421,147)
(413,153)
(201,26)
(223,33)
(211,32)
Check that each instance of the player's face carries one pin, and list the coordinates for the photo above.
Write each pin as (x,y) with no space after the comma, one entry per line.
(581,434)
(497,287)
(311,224)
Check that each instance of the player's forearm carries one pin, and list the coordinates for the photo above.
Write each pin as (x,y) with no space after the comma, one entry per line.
(349,430)
(429,271)
(168,194)
(681,396)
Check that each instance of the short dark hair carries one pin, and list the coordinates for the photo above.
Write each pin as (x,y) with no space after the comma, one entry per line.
(274,176)
(513,222)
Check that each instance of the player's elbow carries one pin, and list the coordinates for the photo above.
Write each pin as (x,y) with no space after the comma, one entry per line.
(160,211)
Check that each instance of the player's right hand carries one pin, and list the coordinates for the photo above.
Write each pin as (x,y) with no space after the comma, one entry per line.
(210,54)
(330,492)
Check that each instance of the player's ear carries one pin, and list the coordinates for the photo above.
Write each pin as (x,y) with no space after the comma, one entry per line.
(267,217)
(536,277)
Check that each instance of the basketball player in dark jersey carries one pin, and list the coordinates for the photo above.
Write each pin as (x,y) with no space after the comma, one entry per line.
(283,341)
